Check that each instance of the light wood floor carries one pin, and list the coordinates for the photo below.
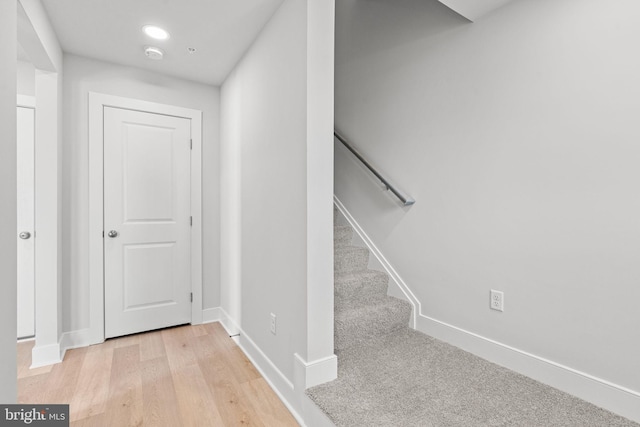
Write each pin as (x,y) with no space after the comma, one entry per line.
(183,376)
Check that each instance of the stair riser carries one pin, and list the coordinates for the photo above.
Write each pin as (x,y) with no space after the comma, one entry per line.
(342,236)
(357,331)
(359,288)
(340,304)
(351,260)
(346,339)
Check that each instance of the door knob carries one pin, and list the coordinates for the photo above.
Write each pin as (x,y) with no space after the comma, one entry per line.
(112,234)
(24,235)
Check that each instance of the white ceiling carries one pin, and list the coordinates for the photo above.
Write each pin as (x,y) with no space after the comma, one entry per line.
(110,30)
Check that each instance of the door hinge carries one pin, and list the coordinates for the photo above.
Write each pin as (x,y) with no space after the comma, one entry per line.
(191,221)
(191,144)
(191,296)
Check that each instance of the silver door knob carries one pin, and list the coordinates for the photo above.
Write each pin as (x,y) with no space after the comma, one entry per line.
(24,235)
(112,234)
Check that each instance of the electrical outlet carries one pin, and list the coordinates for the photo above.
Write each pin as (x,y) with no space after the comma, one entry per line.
(273,324)
(497,300)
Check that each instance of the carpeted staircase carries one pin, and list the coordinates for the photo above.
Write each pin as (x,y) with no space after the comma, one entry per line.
(363,311)
(393,376)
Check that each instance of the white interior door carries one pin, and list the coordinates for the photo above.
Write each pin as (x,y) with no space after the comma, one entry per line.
(25,245)
(146,221)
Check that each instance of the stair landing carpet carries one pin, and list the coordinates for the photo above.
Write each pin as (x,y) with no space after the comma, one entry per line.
(391,375)
(410,379)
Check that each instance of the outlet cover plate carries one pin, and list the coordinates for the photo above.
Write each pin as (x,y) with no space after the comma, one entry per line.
(497,300)
(272,326)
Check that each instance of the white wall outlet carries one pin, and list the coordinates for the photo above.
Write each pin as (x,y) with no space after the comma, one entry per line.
(497,300)
(273,324)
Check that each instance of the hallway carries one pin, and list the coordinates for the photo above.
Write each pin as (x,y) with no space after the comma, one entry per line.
(182,376)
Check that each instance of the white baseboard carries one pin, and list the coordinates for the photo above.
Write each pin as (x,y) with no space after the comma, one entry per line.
(210,315)
(45,355)
(316,372)
(386,265)
(54,353)
(229,325)
(263,363)
(306,413)
(272,375)
(75,339)
(602,393)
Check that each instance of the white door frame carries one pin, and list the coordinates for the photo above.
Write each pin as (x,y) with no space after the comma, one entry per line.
(37,38)
(26,101)
(97,102)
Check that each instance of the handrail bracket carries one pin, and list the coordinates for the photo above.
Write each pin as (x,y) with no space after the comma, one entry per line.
(404,198)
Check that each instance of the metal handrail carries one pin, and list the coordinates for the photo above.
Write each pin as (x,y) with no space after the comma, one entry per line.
(404,198)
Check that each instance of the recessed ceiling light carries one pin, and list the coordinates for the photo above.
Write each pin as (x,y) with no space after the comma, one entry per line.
(153,52)
(155,32)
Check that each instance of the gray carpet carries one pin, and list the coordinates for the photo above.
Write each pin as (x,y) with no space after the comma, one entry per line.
(410,379)
(390,375)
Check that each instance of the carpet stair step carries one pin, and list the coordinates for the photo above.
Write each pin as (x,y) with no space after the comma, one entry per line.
(342,235)
(350,259)
(340,305)
(360,285)
(356,325)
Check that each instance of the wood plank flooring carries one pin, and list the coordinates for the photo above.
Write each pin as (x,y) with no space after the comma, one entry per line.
(188,376)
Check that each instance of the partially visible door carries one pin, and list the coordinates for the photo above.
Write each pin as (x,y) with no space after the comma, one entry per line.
(25,240)
(146,221)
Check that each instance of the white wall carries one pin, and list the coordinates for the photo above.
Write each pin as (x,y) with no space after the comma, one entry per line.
(277,117)
(518,137)
(82,76)
(269,89)
(26,79)
(8,262)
